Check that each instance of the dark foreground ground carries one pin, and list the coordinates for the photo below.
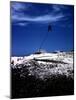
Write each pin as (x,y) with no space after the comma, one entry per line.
(30,86)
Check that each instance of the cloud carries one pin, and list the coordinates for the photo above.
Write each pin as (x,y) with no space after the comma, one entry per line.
(18,14)
(18,6)
(39,19)
(21,24)
(56,8)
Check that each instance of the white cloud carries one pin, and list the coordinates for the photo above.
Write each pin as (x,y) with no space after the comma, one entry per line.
(44,18)
(59,8)
(18,14)
(56,8)
(17,6)
(21,24)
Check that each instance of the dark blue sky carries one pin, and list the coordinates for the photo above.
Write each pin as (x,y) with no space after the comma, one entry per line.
(29,26)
